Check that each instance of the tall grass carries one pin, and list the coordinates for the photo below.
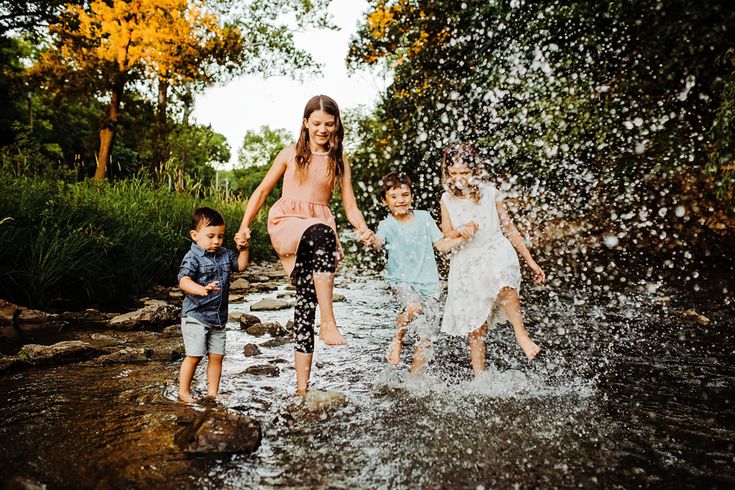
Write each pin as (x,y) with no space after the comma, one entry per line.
(77,244)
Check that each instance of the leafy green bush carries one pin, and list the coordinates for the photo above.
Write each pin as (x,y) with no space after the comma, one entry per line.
(72,244)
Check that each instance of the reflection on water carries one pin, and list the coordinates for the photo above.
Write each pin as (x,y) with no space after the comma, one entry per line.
(631,393)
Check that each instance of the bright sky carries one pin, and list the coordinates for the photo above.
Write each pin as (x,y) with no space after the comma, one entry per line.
(251,101)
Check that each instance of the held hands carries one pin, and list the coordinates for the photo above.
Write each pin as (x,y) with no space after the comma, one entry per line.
(242,238)
(366,236)
(468,231)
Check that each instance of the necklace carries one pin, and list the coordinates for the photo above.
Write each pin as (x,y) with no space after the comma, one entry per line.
(320,153)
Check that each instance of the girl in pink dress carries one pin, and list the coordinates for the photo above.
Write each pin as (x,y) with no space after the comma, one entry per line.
(301,226)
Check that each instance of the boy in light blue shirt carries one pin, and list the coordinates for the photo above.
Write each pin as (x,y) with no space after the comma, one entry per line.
(410,236)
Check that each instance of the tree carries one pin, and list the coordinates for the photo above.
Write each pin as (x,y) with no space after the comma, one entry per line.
(259,148)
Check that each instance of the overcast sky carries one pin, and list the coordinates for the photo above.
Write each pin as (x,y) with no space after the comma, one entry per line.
(251,101)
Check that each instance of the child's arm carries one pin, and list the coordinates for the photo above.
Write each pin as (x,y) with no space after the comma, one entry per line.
(352,212)
(377,242)
(188,285)
(243,258)
(466,232)
(447,244)
(516,239)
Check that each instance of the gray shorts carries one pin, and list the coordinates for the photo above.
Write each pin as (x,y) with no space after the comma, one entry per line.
(200,340)
(426,324)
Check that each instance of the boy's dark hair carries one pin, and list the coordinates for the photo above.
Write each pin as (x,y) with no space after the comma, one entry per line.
(206,217)
(393,180)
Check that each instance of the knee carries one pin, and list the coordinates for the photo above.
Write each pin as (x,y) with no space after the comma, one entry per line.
(413,309)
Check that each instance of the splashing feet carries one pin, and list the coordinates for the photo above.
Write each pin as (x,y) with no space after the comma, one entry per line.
(393,354)
(530,348)
(330,335)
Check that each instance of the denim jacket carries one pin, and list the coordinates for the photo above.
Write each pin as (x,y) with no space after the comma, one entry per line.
(204,267)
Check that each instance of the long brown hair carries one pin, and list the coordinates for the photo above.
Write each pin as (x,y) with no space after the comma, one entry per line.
(335,149)
(465,154)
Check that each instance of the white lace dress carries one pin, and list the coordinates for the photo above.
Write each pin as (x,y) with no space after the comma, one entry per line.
(479,269)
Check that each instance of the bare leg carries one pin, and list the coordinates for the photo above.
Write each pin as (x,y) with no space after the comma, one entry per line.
(302,362)
(186,374)
(214,372)
(512,304)
(393,355)
(420,357)
(477,349)
(324,286)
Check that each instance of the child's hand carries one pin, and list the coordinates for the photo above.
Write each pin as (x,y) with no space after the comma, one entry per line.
(538,273)
(468,230)
(366,236)
(242,238)
(212,286)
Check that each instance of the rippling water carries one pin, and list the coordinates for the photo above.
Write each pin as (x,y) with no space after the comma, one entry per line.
(632,393)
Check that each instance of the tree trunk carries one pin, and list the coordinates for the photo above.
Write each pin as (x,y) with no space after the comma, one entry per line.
(107,133)
(161,148)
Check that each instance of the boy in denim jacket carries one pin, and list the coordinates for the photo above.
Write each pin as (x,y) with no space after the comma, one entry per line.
(204,277)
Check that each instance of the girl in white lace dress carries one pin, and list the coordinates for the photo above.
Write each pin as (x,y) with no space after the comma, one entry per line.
(484,275)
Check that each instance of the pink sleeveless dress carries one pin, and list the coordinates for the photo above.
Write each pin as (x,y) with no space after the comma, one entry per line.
(304,202)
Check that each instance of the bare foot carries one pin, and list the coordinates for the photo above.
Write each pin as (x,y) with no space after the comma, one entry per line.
(393,354)
(529,348)
(330,335)
(302,392)
(185,398)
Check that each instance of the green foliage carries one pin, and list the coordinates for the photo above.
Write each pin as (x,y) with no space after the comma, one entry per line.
(71,244)
(260,148)
(568,96)
(721,164)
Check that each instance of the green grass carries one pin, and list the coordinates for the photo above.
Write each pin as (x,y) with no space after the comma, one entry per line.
(78,244)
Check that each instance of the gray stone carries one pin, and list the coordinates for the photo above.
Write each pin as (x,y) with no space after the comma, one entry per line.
(147,316)
(247,320)
(338,298)
(263,370)
(67,351)
(235,298)
(240,285)
(171,331)
(250,350)
(274,329)
(153,302)
(219,432)
(127,355)
(26,316)
(264,286)
(270,305)
(285,294)
(277,342)
(87,318)
(7,312)
(176,294)
(318,400)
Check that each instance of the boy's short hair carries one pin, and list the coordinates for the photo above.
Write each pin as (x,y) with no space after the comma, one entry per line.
(206,217)
(393,180)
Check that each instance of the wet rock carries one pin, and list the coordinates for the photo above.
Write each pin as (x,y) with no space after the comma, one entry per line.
(8,311)
(176,294)
(264,286)
(289,325)
(32,322)
(277,342)
(285,294)
(240,285)
(218,432)
(269,305)
(247,320)
(147,316)
(290,287)
(8,333)
(699,318)
(318,400)
(127,355)
(23,483)
(274,329)
(171,331)
(88,318)
(8,363)
(338,298)
(153,302)
(262,370)
(250,350)
(235,298)
(278,361)
(67,351)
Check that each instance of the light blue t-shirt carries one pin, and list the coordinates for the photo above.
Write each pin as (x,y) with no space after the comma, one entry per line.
(410,249)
